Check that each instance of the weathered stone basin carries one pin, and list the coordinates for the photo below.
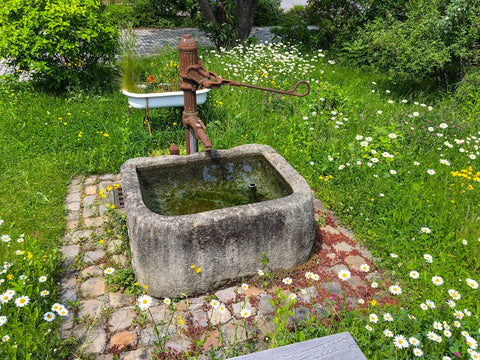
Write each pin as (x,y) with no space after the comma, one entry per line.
(196,227)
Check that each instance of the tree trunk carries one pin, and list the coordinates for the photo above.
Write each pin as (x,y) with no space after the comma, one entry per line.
(207,11)
(245,11)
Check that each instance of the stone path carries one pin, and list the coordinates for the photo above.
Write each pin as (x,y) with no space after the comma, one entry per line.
(150,41)
(108,323)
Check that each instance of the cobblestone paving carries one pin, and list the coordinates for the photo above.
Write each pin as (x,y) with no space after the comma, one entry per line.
(104,320)
(149,41)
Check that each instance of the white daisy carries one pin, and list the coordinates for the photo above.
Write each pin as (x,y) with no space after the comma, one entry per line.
(387,333)
(400,342)
(145,301)
(22,301)
(414,274)
(365,267)
(414,341)
(472,283)
(417,352)
(395,289)
(109,271)
(245,313)
(49,316)
(344,275)
(387,317)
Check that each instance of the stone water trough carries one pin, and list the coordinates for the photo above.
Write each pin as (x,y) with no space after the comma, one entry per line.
(220,212)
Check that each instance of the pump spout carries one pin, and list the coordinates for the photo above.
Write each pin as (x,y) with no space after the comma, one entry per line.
(192,121)
(207,144)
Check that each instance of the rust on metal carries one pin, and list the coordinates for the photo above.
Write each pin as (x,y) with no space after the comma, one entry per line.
(174,150)
(195,77)
(194,127)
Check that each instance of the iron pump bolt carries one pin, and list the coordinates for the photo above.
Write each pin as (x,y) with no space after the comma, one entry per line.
(194,127)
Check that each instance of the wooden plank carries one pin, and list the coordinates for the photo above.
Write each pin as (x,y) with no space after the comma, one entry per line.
(334,347)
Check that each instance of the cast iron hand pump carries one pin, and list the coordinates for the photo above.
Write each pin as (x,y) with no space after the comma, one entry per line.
(196,77)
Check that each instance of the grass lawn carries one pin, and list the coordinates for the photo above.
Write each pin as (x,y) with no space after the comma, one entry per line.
(398,164)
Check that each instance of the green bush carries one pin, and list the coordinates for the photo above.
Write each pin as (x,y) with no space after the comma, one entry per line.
(164,13)
(468,91)
(60,41)
(120,14)
(435,41)
(410,49)
(337,20)
(294,29)
(226,33)
(267,13)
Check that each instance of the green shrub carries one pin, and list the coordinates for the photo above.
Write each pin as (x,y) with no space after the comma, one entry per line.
(120,14)
(434,41)
(294,29)
(468,91)
(163,13)
(226,33)
(410,49)
(267,13)
(337,20)
(61,42)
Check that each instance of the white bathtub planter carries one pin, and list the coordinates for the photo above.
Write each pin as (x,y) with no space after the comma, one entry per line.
(160,100)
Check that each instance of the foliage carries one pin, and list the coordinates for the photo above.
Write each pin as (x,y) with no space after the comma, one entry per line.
(61,42)
(163,13)
(336,20)
(267,13)
(431,42)
(410,49)
(294,29)
(224,32)
(468,91)
(414,40)
(120,14)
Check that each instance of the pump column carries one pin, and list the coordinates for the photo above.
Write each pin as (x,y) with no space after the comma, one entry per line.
(187,52)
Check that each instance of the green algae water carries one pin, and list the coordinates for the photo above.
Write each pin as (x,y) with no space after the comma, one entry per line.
(210,184)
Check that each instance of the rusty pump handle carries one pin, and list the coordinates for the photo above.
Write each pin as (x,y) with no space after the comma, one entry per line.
(208,79)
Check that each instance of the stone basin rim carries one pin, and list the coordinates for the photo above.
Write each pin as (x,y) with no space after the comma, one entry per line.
(297,183)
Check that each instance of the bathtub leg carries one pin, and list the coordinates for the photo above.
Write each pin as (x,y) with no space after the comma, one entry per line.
(146,118)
